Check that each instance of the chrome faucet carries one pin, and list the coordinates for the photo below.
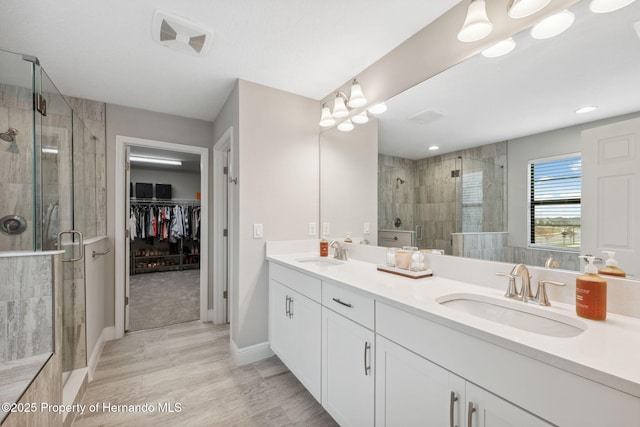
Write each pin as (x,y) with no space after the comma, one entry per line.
(340,252)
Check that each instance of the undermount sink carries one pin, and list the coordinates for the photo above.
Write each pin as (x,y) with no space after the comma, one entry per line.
(320,261)
(515,314)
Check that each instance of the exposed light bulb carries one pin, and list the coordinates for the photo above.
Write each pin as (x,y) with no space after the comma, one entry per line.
(476,25)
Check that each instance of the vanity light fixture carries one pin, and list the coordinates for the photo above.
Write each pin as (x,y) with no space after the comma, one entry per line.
(500,48)
(357,98)
(476,25)
(339,107)
(433,148)
(553,25)
(346,126)
(360,118)
(326,119)
(378,108)
(155,160)
(606,6)
(586,109)
(523,8)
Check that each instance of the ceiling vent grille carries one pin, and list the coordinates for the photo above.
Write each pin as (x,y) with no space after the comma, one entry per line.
(181,34)
(426,117)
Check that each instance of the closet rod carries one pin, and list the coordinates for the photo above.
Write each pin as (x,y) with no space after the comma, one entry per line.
(164,201)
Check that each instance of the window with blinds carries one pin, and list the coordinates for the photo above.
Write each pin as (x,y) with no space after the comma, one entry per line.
(555,188)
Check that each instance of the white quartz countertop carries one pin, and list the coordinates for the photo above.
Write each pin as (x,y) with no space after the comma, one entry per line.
(606,352)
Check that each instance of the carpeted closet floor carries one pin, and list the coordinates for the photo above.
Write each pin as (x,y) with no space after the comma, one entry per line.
(164,298)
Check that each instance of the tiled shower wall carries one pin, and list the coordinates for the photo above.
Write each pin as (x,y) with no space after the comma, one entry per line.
(16,164)
(431,196)
(26,304)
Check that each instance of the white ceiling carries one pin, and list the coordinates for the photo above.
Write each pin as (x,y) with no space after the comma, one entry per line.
(535,88)
(103,50)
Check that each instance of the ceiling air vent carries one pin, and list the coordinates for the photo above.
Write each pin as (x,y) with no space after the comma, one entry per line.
(181,34)
(425,117)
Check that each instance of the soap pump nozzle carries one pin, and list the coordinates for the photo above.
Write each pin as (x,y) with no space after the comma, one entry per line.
(611,260)
(589,268)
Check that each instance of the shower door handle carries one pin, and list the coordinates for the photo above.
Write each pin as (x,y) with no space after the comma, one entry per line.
(80,242)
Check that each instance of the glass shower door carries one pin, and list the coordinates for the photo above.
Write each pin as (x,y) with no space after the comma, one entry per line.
(54,180)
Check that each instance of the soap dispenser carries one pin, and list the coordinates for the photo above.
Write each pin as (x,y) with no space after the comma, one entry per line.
(324,246)
(611,268)
(591,293)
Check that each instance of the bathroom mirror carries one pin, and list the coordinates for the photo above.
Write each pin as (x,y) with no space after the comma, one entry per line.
(491,115)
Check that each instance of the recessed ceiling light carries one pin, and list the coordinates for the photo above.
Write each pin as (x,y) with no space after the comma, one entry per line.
(155,160)
(553,25)
(434,148)
(586,109)
(606,6)
(500,48)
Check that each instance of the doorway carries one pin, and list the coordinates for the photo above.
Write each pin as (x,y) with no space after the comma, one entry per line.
(151,260)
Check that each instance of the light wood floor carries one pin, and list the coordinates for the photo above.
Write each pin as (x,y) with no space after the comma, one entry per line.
(189,367)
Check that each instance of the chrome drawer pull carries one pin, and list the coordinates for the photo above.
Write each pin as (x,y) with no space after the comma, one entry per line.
(367,368)
(470,415)
(343,303)
(452,401)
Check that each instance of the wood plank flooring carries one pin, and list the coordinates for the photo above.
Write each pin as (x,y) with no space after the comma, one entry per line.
(189,367)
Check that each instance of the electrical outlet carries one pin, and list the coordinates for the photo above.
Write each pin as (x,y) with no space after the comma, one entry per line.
(312,229)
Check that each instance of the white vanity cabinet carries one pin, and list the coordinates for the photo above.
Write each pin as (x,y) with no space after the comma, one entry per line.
(295,324)
(348,356)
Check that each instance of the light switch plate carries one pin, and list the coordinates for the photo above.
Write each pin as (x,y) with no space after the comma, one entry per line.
(326,230)
(312,229)
(257,231)
(366,228)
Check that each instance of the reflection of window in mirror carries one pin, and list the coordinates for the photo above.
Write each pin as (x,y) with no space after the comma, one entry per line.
(554,202)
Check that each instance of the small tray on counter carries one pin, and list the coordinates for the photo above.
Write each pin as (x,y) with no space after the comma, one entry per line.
(406,273)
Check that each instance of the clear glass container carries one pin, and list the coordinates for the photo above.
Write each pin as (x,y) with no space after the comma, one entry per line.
(391,256)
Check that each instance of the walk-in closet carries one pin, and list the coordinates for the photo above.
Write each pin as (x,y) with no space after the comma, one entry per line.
(164,238)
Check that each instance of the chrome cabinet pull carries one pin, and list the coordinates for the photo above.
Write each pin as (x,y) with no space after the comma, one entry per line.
(286,306)
(367,367)
(290,307)
(346,304)
(470,412)
(452,401)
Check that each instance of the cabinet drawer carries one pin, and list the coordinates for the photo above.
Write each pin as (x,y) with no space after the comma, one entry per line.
(301,283)
(351,304)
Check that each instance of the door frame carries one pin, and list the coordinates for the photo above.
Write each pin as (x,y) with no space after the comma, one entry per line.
(120,238)
(222,270)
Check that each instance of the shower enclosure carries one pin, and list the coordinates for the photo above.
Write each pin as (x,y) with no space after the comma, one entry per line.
(50,197)
(455,202)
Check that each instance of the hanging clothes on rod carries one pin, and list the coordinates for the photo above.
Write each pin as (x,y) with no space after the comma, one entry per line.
(168,220)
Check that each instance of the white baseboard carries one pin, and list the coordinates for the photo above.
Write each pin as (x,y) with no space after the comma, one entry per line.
(108,334)
(254,353)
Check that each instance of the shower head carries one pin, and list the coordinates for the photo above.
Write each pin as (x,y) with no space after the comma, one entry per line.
(9,135)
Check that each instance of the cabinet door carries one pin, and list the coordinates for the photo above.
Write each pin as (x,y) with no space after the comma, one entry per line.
(488,410)
(281,329)
(412,391)
(306,316)
(347,370)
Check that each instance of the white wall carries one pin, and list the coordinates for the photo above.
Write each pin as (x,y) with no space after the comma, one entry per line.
(184,184)
(278,186)
(520,151)
(137,123)
(349,181)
